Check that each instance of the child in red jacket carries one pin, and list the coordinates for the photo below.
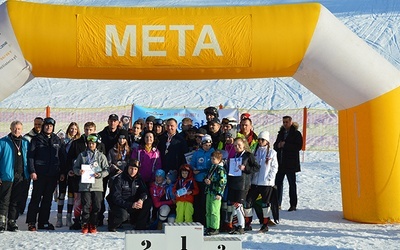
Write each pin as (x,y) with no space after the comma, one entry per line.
(185,189)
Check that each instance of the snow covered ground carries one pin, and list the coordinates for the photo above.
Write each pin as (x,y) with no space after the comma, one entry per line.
(318,223)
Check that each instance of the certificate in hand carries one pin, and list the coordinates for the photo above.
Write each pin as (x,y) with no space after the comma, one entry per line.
(88,174)
(234,169)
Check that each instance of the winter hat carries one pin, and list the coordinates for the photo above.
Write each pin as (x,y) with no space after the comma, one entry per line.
(123,134)
(212,111)
(215,120)
(113,117)
(134,163)
(225,120)
(232,121)
(150,119)
(201,132)
(244,115)
(230,133)
(264,135)
(206,139)
(161,173)
(172,175)
(158,122)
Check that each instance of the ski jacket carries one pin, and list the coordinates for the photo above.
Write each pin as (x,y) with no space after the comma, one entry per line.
(251,140)
(7,158)
(243,182)
(159,195)
(118,160)
(126,190)
(149,162)
(201,161)
(32,133)
(266,158)
(47,155)
(217,176)
(78,146)
(90,157)
(189,183)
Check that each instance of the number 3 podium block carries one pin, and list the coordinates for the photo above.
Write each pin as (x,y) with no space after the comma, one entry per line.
(179,236)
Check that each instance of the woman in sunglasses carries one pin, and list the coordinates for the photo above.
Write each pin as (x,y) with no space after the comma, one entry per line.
(92,166)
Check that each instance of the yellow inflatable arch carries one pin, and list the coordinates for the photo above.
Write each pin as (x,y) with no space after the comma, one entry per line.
(303,41)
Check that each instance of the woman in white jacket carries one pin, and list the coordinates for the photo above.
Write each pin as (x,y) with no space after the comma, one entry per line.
(262,182)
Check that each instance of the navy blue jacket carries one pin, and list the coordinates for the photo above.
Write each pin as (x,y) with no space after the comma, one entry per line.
(47,155)
(126,190)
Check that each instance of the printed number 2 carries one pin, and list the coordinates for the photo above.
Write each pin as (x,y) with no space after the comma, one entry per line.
(146,243)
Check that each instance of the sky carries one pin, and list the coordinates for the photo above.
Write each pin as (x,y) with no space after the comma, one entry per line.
(318,223)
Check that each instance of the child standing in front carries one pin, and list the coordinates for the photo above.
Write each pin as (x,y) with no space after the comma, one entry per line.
(215,184)
(91,192)
(185,189)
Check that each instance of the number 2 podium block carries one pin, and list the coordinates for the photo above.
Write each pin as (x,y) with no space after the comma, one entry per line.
(179,236)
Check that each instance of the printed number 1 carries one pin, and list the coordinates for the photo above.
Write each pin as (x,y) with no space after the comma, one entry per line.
(183,242)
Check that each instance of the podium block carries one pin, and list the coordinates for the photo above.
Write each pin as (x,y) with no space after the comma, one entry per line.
(179,236)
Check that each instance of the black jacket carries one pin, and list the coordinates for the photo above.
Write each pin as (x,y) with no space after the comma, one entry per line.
(175,156)
(243,182)
(288,156)
(126,190)
(111,138)
(47,155)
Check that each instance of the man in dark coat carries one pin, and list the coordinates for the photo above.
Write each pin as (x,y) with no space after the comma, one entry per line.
(46,159)
(288,145)
(172,147)
(129,199)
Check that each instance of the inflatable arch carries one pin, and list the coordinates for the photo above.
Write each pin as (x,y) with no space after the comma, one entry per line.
(303,41)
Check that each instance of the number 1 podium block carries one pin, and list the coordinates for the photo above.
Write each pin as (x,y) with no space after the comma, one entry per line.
(179,236)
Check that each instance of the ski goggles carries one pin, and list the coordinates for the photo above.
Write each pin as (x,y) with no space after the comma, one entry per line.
(49,120)
(92,138)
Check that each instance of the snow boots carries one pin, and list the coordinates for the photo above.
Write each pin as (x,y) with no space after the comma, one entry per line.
(59,220)
(2,223)
(68,221)
(12,226)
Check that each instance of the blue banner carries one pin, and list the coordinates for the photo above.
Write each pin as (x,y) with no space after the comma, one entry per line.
(197,115)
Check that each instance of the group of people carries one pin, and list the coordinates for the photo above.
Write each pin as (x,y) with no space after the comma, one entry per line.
(149,174)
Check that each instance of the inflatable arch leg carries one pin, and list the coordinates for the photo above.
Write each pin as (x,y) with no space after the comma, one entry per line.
(309,44)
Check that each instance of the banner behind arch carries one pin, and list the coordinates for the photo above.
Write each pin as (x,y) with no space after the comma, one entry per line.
(303,41)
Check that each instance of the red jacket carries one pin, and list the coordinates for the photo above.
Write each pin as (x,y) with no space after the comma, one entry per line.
(189,183)
(159,196)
